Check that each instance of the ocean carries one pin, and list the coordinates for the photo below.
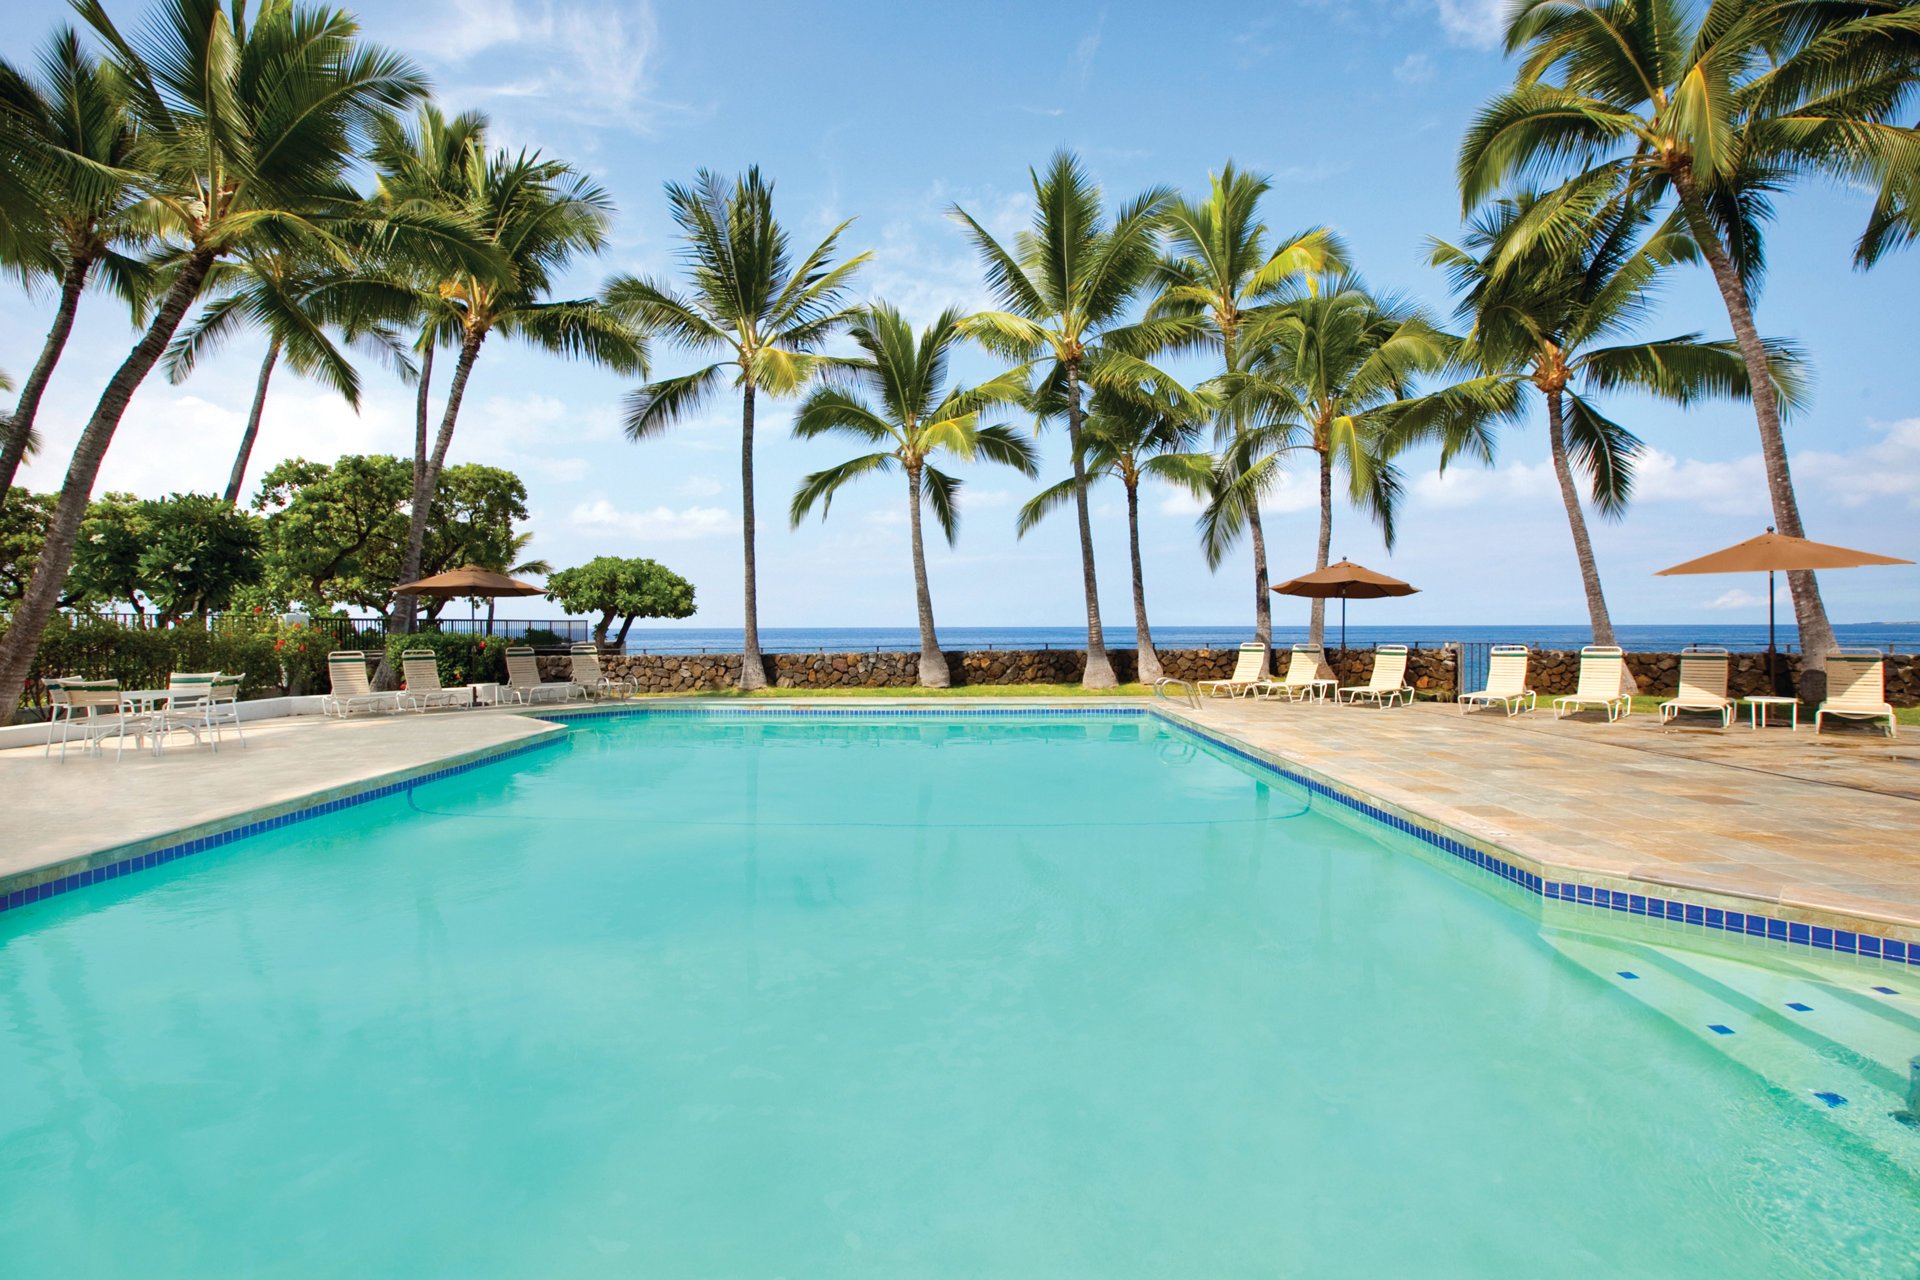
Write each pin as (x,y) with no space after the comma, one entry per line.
(1903,637)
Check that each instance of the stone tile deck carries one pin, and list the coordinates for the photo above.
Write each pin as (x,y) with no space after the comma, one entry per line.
(1821,827)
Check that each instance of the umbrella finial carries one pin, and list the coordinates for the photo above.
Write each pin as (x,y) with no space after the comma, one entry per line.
(1769,528)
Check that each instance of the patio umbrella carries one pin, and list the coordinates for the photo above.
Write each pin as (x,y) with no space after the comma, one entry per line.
(1772,553)
(471,581)
(1344,581)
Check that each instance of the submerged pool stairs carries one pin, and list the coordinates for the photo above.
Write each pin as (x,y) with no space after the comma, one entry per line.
(1843,1042)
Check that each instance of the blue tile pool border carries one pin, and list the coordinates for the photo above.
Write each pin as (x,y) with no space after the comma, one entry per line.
(111,864)
(1481,855)
(1563,888)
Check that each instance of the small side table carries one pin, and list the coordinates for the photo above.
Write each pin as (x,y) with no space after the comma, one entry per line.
(1323,689)
(484,695)
(1760,707)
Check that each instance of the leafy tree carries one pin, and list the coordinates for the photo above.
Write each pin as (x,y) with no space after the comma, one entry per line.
(1715,108)
(538,215)
(621,587)
(1066,287)
(106,563)
(911,416)
(72,138)
(471,523)
(1538,318)
(1327,364)
(246,132)
(23,528)
(197,553)
(1131,438)
(335,535)
(1221,266)
(751,304)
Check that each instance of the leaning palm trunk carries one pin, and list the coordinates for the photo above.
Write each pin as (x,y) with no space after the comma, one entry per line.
(22,639)
(1262,601)
(1317,625)
(252,432)
(1099,670)
(1148,659)
(934,673)
(20,426)
(1816,633)
(427,478)
(753,670)
(1577,522)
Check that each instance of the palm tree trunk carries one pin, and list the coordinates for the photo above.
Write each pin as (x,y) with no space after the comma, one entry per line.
(753,671)
(1816,633)
(1317,624)
(426,479)
(1577,522)
(253,424)
(22,639)
(20,426)
(1148,660)
(1262,599)
(934,673)
(1099,669)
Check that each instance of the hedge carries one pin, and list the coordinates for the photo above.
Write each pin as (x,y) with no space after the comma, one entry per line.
(462,659)
(143,658)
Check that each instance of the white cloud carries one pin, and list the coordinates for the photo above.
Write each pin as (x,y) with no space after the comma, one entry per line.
(1735,599)
(1733,487)
(701,487)
(1085,51)
(592,62)
(1464,486)
(1479,23)
(988,499)
(660,523)
(1887,468)
(1415,68)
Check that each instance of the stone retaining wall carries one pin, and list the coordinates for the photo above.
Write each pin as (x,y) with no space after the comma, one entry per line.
(1432,671)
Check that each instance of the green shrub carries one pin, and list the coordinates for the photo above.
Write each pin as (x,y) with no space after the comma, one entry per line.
(462,659)
(541,638)
(143,657)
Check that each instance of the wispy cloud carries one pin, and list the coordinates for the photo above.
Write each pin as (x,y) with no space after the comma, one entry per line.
(662,523)
(1415,68)
(1735,599)
(1480,24)
(1081,64)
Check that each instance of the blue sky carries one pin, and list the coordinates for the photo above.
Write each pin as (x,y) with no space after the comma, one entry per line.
(889,113)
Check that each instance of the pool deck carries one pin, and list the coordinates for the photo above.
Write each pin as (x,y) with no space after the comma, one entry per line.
(1820,829)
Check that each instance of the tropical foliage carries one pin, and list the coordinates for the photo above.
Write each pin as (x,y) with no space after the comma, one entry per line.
(765,315)
(625,587)
(894,397)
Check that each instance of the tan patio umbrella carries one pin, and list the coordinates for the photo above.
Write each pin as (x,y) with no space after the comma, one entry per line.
(1344,581)
(1772,553)
(470,581)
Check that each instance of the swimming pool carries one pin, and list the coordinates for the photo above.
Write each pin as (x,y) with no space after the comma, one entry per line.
(933,995)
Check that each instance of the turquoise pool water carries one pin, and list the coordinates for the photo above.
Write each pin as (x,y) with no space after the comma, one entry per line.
(694,997)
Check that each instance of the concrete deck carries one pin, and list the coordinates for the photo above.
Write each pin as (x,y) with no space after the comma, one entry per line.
(1823,829)
(56,811)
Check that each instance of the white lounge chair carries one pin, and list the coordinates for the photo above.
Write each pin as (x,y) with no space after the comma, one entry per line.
(1307,676)
(1703,686)
(1387,684)
(351,690)
(1506,682)
(1856,690)
(1249,670)
(421,672)
(585,660)
(1605,682)
(524,683)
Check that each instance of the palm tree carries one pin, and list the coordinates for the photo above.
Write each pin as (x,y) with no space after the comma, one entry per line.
(246,133)
(295,297)
(1131,438)
(538,215)
(911,414)
(1220,267)
(766,315)
(1326,367)
(73,138)
(1715,108)
(1065,289)
(1536,322)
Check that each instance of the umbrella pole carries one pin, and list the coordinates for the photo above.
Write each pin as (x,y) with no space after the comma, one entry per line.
(1343,620)
(1773,666)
